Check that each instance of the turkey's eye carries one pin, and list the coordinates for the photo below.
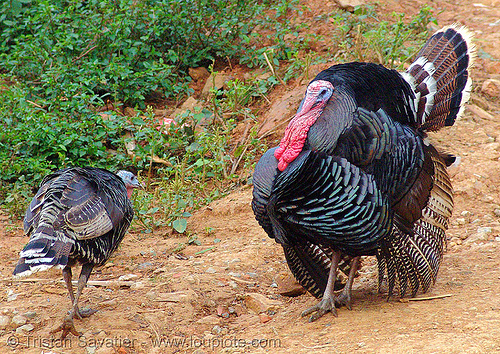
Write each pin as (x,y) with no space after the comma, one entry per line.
(324,94)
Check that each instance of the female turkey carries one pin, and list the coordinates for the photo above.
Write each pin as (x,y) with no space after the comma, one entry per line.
(355,174)
(79,215)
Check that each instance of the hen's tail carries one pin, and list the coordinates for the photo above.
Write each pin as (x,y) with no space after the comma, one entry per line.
(440,77)
(45,249)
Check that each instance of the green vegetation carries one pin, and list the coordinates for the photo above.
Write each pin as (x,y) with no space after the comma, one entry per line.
(64,61)
(364,37)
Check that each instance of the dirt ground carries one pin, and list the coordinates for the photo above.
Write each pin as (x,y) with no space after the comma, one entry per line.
(205,298)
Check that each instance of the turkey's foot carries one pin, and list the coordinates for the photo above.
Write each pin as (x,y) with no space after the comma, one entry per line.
(327,304)
(343,299)
(66,327)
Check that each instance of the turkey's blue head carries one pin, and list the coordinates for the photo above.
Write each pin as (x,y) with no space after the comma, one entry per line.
(317,95)
(325,113)
(130,180)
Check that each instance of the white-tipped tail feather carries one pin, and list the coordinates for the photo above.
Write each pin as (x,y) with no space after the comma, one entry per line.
(440,78)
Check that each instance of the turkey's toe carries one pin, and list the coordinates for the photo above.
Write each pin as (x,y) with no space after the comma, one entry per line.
(66,327)
(343,299)
(324,306)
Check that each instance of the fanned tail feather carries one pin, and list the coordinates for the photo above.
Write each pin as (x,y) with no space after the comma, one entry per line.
(310,265)
(413,259)
(440,77)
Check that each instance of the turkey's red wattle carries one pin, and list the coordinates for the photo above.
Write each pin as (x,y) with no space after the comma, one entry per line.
(317,95)
(294,139)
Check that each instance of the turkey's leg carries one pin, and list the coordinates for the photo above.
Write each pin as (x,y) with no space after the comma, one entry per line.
(68,325)
(344,298)
(68,276)
(327,303)
(82,282)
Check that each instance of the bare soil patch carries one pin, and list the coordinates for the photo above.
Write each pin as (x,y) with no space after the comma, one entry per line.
(198,300)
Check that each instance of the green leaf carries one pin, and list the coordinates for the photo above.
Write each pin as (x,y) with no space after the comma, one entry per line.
(180,225)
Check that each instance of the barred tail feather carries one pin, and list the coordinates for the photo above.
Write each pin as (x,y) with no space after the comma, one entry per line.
(42,252)
(310,265)
(440,77)
(414,258)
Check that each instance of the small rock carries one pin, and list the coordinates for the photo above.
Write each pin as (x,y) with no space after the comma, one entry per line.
(188,105)
(161,270)
(252,275)
(216,329)
(145,265)
(30,314)
(111,302)
(460,221)
(215,81)
(264,76)
(4,322)
(259,303)
(486,230)
(25,328)
(491,87)
(232,284)
(11,296)
(456,240)
(466,213)
(497,212)
(349,5)
(211,270)
(234,260)
(137,285)
(481,235)
(234,274)
(178,296)
(222,311)
(198,74)
(209,320)
(101,335)
(264,317)
(19,320)
(288,286)
(127,277)
(497,238)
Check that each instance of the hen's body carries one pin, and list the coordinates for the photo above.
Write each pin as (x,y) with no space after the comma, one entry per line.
(355,175)
(79,215)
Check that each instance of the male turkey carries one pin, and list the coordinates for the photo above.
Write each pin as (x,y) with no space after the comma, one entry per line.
(355,175)
(79,215)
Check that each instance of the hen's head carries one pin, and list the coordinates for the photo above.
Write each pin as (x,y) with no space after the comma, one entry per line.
(130,180)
